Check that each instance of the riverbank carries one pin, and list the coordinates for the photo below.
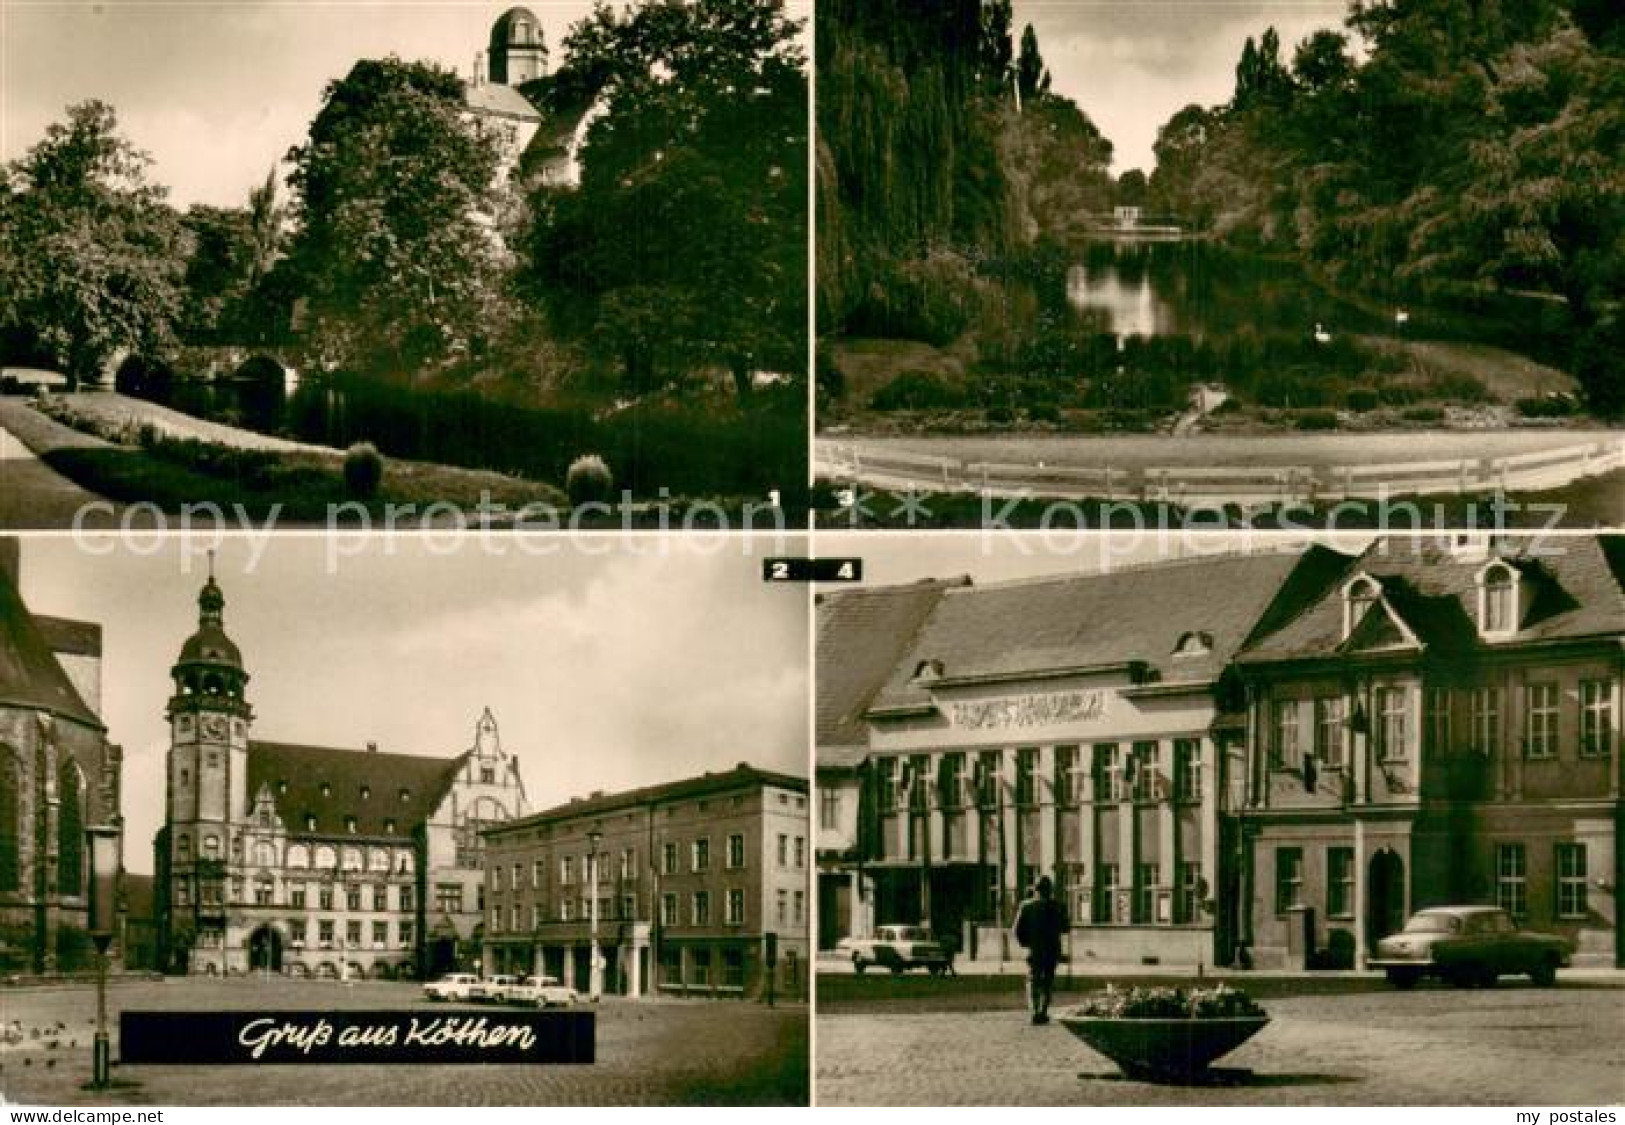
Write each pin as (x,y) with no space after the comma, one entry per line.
(130,451)
(906,388)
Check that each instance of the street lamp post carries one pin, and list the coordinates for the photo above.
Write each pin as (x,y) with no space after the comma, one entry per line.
(103,916)
(595,973)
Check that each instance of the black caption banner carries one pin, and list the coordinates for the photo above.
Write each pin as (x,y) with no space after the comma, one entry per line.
(270,1037)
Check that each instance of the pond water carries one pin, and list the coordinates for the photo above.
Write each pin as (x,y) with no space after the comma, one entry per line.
(1190,288)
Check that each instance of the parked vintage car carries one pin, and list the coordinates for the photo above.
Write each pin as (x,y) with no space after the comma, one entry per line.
(540,992)
(898,948)
(452,986)
(491,988)
(1467,946)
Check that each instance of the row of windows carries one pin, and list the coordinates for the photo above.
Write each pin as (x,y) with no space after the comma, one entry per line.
(1144,900)
(1511,880)
(323,857)
(1330,724)
(575,869)
(521,917)
(299,896)
(1117,772)
(356,935)
(546,831)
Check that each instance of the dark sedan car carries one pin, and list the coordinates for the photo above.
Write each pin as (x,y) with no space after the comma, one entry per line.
(1468,945)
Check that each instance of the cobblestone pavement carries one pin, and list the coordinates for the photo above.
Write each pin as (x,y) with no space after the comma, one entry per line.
(1512,1045)
(650,1052)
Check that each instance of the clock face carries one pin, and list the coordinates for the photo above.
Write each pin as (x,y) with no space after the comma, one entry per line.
(214,726)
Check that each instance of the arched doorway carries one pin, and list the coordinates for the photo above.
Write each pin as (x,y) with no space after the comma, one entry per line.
(265,949)
(1385,902)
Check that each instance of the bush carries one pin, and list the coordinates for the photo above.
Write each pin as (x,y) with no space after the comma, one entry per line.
(1361,399)
(588,480)
(1550,406)
(363,470)
(1316,420)
(1423,414)
(917,390)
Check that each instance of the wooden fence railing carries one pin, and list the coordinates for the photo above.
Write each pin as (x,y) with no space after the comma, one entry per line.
(1524,472)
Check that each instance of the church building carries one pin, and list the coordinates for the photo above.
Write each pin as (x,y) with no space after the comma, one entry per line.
(58,775)
(315,860)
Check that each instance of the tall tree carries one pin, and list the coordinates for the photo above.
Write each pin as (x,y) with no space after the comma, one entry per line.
(1032,79)
(394,246)
(90,254)
(685,244)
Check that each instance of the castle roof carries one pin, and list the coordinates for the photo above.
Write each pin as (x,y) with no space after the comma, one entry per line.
(30,675)
(517,27)
(333,785)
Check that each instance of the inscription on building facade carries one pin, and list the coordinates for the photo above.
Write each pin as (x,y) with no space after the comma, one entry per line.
(1039,710)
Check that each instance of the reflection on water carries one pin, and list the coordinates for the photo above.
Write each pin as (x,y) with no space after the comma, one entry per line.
(1132,305)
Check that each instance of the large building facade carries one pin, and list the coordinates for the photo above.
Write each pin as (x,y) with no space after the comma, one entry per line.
(1272,757)
(59,775)
(1439,726)
(313,860)
(701,889)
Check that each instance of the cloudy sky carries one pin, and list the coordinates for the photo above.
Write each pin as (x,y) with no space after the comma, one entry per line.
(604,671)
(217,92)
(1131,66)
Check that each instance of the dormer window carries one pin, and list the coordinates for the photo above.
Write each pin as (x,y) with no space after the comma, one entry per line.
(310,822)
(927,671)
(349,825)
(406,795)
(1497,600)
(281,788)
(1194,644)
(1358,597)
(366,792)
(327,790)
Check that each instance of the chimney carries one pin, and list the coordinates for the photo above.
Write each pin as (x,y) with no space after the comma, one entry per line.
(372,747)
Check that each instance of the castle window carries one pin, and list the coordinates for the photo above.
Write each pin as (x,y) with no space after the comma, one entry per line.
(211,847)
(1596,718)
(183,848)
(264,855)
(298,855)
(326,858)
(1540,709)
(1358,597)
(352,859)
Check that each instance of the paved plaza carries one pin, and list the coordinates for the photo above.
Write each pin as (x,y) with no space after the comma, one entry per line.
(650,1052)
(1352,1043)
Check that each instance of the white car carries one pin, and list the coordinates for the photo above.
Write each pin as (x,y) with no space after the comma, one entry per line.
(491,988)
(541,992)
(452,986)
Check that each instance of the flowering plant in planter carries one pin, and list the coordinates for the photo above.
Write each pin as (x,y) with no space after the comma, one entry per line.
(1219,1002)
(1166,1034)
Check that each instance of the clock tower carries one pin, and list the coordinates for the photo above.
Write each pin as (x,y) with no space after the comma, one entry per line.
(208,738)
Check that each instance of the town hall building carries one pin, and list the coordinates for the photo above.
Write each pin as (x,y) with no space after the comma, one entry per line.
(314,860)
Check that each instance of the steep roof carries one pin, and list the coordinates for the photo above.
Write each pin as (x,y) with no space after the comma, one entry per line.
(1139,614)
(504,101)
(742,775)
(1575,583)
(30,676)
(862,633)
(297,774)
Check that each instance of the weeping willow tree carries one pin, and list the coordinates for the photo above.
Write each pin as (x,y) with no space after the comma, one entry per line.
(911,190)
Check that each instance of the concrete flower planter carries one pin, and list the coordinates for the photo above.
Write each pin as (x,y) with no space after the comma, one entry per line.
(1164,1050)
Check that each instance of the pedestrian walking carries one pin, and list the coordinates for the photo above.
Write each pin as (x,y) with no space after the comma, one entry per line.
(1040,922)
